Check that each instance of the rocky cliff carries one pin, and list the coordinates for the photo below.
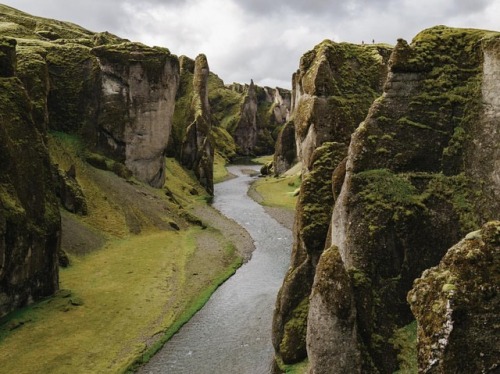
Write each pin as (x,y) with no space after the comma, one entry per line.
(192,140)
(30,223)
(136,106)
(333,90)
(119,96)
(410,191)
(252,115)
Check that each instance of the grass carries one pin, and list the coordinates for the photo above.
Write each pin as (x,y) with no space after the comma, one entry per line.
(405,341)
(278,192)
(220,171)
(119,304)
(131,290)
(300,368)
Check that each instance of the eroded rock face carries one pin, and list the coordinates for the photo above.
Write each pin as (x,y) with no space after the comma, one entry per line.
(197,152)
(192,142)
(30,223)
(332,338)
(245,133)
(313,212)
(137,103)
(407,195)
(332,91)
(456,305)
(285,154)
(328,107)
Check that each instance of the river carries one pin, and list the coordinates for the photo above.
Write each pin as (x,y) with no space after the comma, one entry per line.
(232,332)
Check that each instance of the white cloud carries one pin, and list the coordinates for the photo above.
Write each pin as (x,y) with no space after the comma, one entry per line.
(261,39)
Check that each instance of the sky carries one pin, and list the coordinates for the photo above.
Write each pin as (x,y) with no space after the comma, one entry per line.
(263,40)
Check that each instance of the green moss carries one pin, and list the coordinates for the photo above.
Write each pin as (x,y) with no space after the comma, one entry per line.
(383,190)
(315,203)
(358,278)
(404,341)
(293,344)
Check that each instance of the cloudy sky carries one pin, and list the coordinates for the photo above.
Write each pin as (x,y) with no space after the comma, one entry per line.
(263,39)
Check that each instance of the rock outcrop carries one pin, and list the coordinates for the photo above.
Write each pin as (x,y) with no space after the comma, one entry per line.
(30,223)
(328,107)
(192,140)
(408,193)
(245,132)
(117,95)
(136,106)
(332,91)
(285,153)
(253,115)
(456,305)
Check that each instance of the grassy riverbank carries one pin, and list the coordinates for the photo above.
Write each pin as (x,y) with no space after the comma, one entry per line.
(117,302)
(276,193)
(141,265)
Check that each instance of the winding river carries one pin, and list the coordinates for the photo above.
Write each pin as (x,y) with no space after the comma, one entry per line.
(232,332)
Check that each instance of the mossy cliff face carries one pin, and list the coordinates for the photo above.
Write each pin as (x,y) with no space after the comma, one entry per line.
(118,96)
(30,223)
(138,88)
(313,212)
(285,153)
(273,110)
(192,139)
(245,132)
(333,310)
(332,91)
(197,150)
(456,305)
(407,194)
(328,108)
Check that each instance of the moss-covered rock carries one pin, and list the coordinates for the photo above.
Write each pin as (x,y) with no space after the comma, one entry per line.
(30,224)
(8,56)
(137,99)
(408,194)
(333,90)
(313,212)
(192,141)
(69,190)
(456,306)
(332,338)
(285,153)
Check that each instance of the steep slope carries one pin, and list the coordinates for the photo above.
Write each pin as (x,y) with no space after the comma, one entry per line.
(252,115)
(333,89)
(409,191)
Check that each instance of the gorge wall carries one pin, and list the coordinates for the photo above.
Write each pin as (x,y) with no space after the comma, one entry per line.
(191,141)
(420,173)
(333,90)
(30,223)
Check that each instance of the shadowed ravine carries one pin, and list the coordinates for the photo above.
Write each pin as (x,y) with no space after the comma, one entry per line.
(232,333)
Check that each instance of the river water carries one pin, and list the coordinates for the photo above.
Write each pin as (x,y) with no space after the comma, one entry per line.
(232,332)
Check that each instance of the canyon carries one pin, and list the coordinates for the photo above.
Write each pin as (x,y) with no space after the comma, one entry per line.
(396,229)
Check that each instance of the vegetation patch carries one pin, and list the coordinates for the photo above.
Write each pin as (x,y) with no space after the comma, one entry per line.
(404,341)
(101,325)
(278,192)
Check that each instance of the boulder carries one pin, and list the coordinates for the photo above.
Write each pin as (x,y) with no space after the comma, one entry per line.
(456,305)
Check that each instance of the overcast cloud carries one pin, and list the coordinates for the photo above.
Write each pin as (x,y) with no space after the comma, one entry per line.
(262,39)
